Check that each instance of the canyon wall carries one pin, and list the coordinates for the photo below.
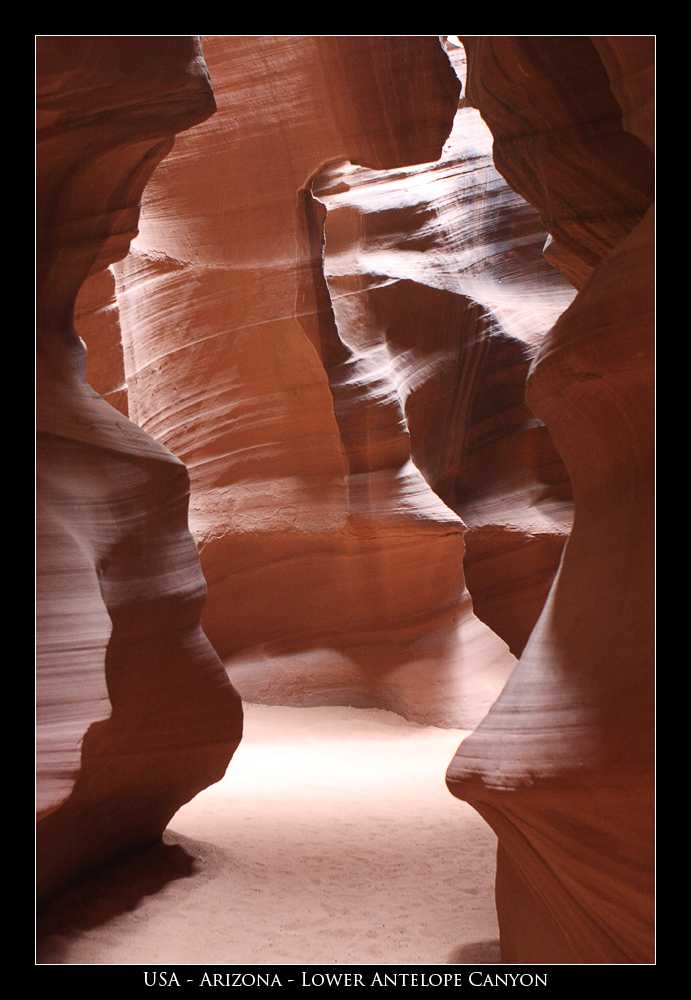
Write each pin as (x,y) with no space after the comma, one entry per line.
(339,356)
(437,272)
(135,712)
(562,767)
(335,573)
(330,314)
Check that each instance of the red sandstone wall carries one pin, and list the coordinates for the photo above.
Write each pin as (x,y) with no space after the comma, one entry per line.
(135,713)
(436,273)
(275,314)
(335,573)
(562,767)
(421,352)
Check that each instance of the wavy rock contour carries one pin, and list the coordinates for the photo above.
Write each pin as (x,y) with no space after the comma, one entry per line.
(135,712)
(562,767)
(335,573)
(436,274)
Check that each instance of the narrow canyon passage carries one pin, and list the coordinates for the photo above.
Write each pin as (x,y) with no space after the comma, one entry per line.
(331,839)
(345,386)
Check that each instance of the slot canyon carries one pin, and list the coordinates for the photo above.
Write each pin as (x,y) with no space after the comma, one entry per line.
(345,436)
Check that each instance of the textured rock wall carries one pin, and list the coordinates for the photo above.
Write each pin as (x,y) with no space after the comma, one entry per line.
(307,398)
(323,330)
(437,276)
(562,767)
(335,573)
(135,712)
(560,141)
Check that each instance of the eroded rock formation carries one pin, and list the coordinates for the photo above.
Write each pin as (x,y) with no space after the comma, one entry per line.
(135,712)
(334,334)
(562,766)
(307,398)
(436,276)
(335,573)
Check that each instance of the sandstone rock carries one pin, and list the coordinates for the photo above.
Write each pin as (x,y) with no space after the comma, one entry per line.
(334,571)
(436,275)
(332,327)
(562,766)
(97,321)
(560,142)
(135,713)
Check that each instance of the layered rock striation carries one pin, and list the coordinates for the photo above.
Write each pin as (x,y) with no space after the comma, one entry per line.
(335,573)
(436,276)
(562,767)
(342,356)
(135,712)
(330,315)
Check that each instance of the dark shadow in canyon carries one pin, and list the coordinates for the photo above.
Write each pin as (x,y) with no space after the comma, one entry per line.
(118,889)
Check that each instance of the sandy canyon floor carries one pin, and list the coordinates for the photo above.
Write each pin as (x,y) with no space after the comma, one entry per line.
(332,839)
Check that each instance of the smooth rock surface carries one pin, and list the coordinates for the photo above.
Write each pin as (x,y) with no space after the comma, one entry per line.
(560,141)
(135,713)
(313,323)
(439,286)
(562,767)
(335,573)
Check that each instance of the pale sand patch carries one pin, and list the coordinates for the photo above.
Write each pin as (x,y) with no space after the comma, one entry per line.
(332,839)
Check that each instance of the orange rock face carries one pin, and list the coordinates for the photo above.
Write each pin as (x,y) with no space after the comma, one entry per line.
(135,713)
(335,573)
(436,276)
(338,315)
(562,766)
(560,141)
